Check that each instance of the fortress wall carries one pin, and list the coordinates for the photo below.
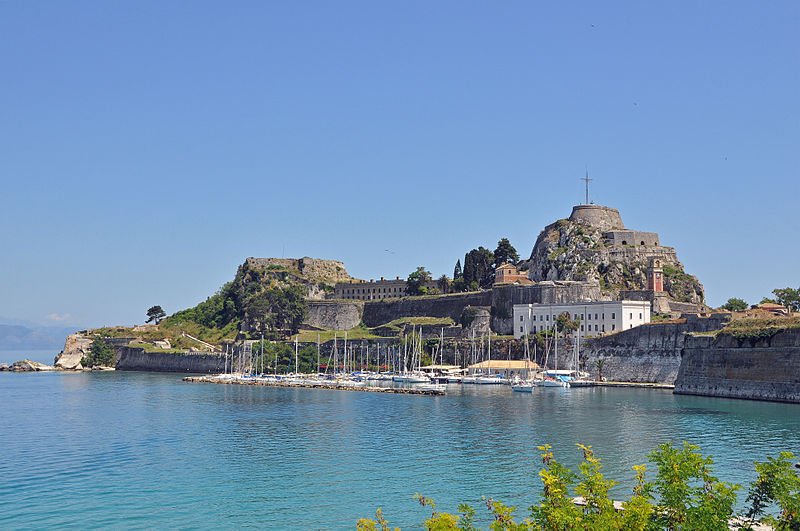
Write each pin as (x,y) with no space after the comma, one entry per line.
(505,297)
(603,217)
(631,237)
(383,311)
(647,353)
(723,366)
(137,359)
(334,314)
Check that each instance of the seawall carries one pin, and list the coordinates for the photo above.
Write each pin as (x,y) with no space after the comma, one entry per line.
(766,368)
(647,353)
(137,359)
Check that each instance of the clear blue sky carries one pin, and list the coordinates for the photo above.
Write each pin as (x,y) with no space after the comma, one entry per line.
(148,148)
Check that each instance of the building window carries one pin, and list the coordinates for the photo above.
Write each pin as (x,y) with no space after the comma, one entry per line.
(520,318)
(603,328)
(613,327)
(595,317)
(581,328)
(613,315)
(640,316)
(548,317)
(595,328)
(631,315)
(604,317)
(520,329)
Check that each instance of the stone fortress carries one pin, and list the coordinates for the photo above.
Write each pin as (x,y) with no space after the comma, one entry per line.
(589,257)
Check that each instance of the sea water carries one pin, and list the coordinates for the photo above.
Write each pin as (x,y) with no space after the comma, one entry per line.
(139,450)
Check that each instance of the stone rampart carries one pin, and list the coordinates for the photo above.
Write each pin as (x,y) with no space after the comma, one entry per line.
(603,217)
(647,353)
(381,312)
(767,368)
(137,359)
(563,292)
(334,314)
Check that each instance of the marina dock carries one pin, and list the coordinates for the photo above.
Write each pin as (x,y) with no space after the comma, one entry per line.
(333,386)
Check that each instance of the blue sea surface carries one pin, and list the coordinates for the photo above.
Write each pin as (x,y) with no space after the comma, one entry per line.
(139,450)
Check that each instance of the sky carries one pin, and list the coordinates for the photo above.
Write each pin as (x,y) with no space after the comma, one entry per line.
(148,147)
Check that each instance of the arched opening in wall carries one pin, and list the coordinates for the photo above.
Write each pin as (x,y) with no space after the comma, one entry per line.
(642,243)
(624,242)
(656,243)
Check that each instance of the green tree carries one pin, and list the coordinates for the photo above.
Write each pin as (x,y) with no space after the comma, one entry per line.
(290,307)
(478,268)
(444,284)
(788,297)
(100,354)
(735,305)
(155,313)
(505,253)
(457,271)
(777,484)
(417,281)
(689,496)
(566,324)
(278,311)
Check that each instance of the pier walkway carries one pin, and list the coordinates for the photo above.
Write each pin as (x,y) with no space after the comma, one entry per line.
(334,386)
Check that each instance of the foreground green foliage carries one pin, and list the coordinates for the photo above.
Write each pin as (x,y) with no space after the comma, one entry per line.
(684,495)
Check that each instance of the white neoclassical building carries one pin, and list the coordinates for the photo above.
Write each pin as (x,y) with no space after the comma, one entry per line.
(596,318)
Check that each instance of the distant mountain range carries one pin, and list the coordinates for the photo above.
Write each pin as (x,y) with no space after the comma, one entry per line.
(18,337)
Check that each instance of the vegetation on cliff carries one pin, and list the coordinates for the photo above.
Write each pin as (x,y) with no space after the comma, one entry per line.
(100,354)
(572,250)
(759,328)
(262,298)
(685,495)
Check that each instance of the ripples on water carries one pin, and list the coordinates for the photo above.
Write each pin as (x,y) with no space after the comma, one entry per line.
(147,450)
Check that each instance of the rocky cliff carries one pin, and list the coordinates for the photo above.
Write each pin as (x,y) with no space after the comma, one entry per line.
(594,245)
(76,347)
(317,275)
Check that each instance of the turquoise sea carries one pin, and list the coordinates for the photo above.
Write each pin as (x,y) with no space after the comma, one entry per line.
(137,450)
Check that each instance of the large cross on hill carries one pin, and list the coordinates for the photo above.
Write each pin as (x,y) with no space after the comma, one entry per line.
(586,180)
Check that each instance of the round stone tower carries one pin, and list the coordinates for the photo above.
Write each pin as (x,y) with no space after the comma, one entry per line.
(603,217)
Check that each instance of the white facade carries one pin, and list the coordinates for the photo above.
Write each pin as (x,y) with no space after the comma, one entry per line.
(596,318)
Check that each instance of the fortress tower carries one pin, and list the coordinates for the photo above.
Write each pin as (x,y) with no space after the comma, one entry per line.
(655,275)
(603,217)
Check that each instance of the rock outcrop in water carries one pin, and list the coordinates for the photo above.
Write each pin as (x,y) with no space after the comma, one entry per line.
(26,366)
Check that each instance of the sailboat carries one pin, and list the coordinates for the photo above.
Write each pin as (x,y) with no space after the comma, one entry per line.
(490,379)
(551,378)
(524,386)
(413,377)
